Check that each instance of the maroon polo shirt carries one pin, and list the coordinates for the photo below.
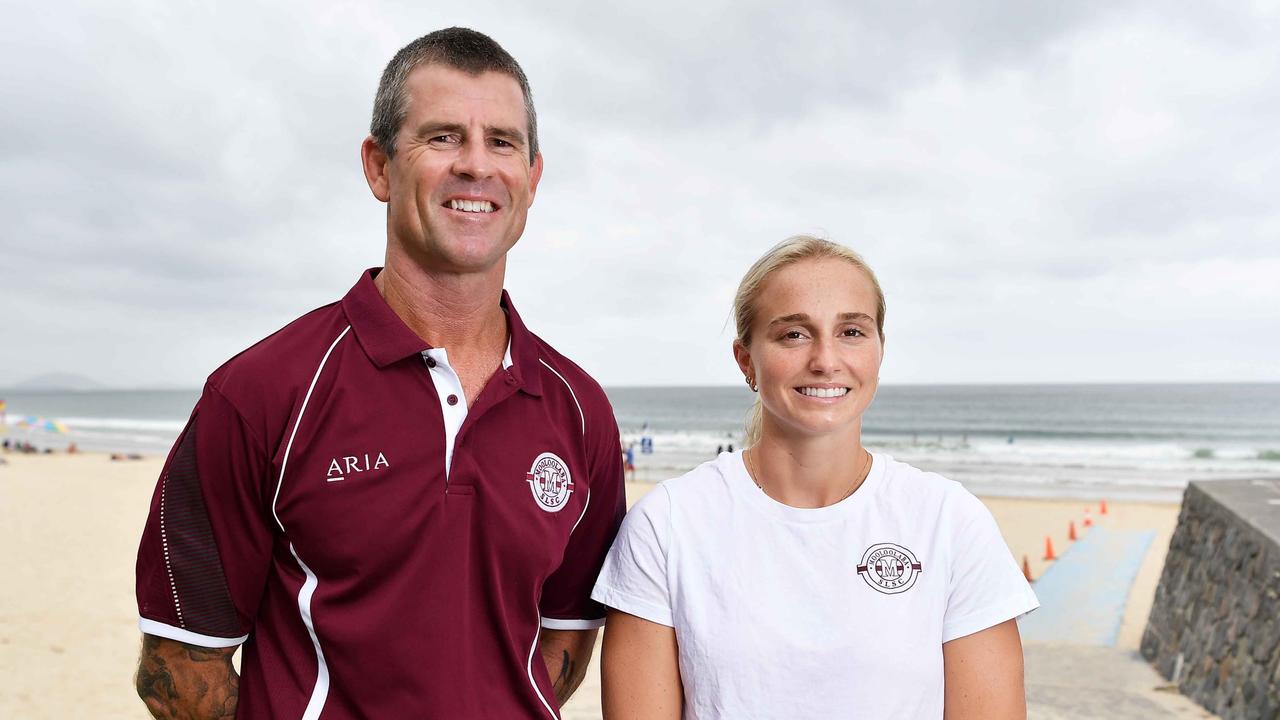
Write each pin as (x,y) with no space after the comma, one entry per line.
(383,546)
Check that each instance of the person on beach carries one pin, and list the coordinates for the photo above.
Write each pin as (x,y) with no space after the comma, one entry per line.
(807,577)
(397,504)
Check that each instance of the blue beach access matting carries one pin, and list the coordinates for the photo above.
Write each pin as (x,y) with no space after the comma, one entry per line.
(1083,594)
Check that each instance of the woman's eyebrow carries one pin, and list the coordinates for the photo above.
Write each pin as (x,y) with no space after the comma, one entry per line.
(804,318)
(793,318)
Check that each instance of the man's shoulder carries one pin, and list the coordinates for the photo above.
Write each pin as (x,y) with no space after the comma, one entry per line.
(282,360)
(559,373)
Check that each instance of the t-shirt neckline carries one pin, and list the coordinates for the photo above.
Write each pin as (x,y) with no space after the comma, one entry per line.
(741,483)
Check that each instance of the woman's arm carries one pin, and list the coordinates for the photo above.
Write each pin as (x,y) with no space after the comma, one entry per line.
(640,670)
(983,674)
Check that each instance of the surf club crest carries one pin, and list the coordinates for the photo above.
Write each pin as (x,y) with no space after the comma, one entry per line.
(550,482)
(889,568)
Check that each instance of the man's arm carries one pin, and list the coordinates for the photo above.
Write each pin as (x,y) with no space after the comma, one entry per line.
(566,653)
(983,675)
(178,681)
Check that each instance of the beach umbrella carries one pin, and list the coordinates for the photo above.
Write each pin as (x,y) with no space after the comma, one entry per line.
(52,426)
(31,422)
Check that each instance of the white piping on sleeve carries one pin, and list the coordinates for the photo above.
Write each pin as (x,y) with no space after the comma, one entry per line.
(557,624)
(168,565)
(284,462)
(572,394)
(533,649)
(159,629)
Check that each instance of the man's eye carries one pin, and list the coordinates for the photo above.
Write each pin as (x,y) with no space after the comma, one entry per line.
(501,143)
(792,335)
(854,332)
(445,139)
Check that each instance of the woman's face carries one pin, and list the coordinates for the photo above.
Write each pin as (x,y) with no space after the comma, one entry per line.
(814,353)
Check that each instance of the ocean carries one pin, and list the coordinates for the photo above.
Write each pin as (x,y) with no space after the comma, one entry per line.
(1121,442)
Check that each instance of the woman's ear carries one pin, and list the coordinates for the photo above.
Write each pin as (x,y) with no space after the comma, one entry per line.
(743,357)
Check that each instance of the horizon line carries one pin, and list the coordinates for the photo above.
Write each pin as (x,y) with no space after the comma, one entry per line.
(1016,383)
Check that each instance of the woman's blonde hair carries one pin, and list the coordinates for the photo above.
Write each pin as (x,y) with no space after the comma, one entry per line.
(789,252)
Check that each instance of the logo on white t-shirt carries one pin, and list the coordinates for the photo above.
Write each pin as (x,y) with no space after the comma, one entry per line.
(550,482)
(889,568)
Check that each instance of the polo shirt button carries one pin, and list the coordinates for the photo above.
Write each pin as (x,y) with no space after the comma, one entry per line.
(431,362)
(452,399)
(511,379)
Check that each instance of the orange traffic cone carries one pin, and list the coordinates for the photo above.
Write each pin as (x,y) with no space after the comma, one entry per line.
(1088,521)
(1026,568)
(1048,549)
(1071,530)
(1102,509)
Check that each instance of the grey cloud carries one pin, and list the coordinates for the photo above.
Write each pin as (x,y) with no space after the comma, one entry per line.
(177,181)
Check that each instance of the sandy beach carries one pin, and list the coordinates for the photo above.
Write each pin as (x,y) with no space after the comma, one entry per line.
(69,527)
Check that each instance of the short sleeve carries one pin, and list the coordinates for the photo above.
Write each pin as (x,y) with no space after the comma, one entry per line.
(634,577)
(986,587)
(206,547)
(566,602)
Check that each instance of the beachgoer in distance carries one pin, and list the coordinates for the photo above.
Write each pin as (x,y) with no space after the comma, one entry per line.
(400,501)
(807,577)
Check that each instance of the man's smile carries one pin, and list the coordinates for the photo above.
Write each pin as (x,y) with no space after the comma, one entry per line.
(471,206)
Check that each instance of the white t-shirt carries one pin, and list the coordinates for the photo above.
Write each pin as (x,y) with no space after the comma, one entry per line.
(834,612)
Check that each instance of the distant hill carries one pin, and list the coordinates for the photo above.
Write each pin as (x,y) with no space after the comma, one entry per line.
(59,381)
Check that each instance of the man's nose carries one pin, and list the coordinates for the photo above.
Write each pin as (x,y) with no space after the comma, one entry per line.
(473,161)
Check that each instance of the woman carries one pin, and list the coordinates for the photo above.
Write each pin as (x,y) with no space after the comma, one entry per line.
(807,577)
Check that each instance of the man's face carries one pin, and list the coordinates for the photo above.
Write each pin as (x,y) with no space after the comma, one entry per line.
(461,183)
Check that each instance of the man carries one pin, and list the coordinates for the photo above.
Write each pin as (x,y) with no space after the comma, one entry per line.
(398,501)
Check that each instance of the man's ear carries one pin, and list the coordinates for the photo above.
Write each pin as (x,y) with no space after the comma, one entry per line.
(535,175)
(376,168)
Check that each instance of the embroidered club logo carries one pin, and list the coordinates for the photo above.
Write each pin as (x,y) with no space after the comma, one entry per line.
(550,482)
(889,568)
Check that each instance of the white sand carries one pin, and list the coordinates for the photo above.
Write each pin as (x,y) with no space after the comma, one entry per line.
(69,529)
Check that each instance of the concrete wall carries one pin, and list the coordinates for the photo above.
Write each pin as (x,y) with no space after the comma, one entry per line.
(1214,629)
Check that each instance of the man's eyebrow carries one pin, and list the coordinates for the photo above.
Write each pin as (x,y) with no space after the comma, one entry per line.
(433,127)
(510,134)
(858,316)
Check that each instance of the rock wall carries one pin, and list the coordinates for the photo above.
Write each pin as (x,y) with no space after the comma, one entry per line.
(1214,629)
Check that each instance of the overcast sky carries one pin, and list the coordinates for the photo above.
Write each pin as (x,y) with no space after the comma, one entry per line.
(1050,192)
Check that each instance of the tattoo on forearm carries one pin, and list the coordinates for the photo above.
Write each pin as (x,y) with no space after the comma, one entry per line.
(566,671)
(569,677)
(185,682)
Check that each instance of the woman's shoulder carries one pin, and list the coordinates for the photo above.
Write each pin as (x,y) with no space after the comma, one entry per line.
(924,487)
(708,482)
(702,487)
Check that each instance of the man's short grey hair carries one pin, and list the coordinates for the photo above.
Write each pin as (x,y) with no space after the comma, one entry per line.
(458,48)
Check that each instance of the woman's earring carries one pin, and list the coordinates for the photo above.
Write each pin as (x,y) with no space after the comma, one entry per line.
(751,383)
